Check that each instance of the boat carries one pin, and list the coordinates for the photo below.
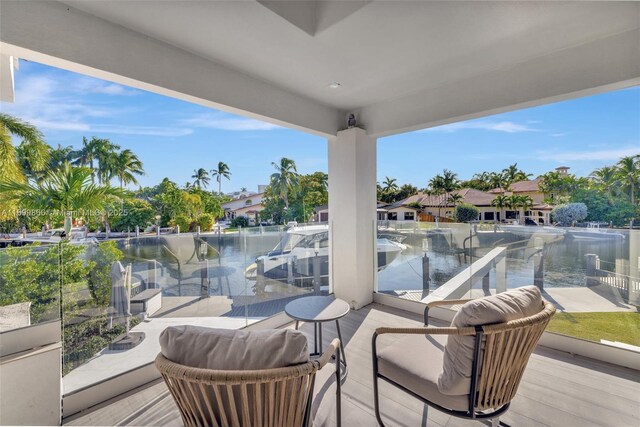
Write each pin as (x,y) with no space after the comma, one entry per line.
(533,229)
(77,236)
(594,232)
(305,248)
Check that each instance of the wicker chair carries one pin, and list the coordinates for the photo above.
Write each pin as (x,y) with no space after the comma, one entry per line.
(270,397)
(500,355)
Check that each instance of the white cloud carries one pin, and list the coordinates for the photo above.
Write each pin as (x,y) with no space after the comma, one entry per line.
(558,135)
(141,130)
(223,121)
(496,126)
(612,154)
(52,104)
(91,85)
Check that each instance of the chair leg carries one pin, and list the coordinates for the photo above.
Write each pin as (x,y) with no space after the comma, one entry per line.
(376,401)
(374,357)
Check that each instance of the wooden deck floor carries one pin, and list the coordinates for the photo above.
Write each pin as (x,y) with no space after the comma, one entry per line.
(558,389)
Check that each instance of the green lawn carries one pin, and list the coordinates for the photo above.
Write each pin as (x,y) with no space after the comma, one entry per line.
(622,326)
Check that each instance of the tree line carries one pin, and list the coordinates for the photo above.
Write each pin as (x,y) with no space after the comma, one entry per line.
(610,193)
(41,185)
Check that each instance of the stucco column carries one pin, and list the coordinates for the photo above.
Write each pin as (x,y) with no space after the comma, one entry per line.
(634,265)
(352,216)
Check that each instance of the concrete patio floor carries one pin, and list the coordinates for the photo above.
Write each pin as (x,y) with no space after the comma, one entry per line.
(558,389)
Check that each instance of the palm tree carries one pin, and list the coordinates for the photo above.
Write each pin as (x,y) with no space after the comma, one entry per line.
(66,190)
(517,202)
(32,154)
(500,202)
(389,184)
(525,202)
(495,180)
(455,199)
(86,155)
(606,178)
(221,172)
(512,174)
(106,154)
(324,182)
(201,178)
(125,166)
(60,155)
(442,185)
(389,190)
(285,179)
(102,151)
(629,173)
(450,181)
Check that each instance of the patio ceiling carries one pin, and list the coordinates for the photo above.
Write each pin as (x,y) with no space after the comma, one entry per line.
(401,65)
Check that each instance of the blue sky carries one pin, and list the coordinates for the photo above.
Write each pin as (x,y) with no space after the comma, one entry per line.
(173,137)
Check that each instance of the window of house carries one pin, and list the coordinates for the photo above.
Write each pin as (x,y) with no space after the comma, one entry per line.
(409,216)
(392,216)
(488,216)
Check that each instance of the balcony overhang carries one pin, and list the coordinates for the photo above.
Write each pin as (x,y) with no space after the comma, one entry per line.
(7,86)
(534,54)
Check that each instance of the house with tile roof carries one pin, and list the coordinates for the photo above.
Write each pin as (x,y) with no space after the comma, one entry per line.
(441,206)
(249,206)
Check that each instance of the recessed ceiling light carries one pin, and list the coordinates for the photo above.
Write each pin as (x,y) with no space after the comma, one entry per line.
(334,85)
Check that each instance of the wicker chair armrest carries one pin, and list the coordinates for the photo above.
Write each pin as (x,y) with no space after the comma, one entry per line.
(440,303)
(429,330)
(329,352)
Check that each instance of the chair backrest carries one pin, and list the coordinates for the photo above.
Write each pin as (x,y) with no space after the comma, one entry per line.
(270,397)
(506,350)
(182,246)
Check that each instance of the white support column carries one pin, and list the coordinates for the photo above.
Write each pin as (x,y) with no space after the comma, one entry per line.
(7,87)
(352,216)
(634,266)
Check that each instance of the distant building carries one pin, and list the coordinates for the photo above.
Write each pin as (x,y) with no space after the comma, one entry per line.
(529,188)
(246,193)
(441,206)
(249,206)
(321,213)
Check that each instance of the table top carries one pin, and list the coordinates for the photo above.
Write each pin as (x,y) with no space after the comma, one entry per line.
(317,308)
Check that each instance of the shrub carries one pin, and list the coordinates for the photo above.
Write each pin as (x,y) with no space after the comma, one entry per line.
(30,274)
(181,221)
(569,213)
(134,212)
(240,221)
(99,280)
(466,213)
(206,221)
(82,341)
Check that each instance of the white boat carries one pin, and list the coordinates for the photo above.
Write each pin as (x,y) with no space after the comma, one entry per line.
(77,236)
(304,248)
(594,232)
(533,229)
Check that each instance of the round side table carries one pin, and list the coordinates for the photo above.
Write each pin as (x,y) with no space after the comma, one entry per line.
(316,310)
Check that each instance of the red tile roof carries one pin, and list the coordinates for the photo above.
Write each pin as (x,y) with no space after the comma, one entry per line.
(469,195)
(521,187)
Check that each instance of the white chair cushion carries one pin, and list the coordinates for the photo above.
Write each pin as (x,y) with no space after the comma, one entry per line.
(225,349)
(415,362)
(455,378)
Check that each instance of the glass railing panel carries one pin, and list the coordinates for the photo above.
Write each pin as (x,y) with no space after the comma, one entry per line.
(214,279)
(30,277)
(590,274)
(282,264)
(417,258)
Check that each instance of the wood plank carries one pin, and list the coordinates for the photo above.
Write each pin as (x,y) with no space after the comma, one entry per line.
(557,388)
